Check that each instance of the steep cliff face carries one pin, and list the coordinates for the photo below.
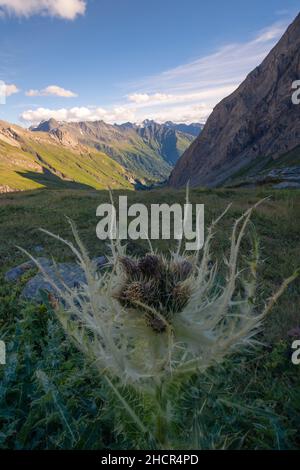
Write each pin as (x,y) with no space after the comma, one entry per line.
(258,120)
(167,141)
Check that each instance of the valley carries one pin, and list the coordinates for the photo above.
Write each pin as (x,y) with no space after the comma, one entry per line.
(89,154)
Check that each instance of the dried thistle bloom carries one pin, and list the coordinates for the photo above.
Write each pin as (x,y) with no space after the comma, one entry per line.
(159,291)
(182,269)
(151,266)
(180,296)
(130,267)
(131,293)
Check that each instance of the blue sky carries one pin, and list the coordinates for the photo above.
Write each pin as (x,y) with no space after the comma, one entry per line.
(122,60)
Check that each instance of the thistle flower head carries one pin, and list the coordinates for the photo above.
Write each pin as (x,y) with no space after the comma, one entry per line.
(154,287)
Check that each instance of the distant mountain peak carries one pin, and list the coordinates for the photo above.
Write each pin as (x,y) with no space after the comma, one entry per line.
(46,126)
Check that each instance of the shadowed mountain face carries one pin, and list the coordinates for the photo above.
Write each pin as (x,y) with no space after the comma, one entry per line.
(148,151)
(257,123)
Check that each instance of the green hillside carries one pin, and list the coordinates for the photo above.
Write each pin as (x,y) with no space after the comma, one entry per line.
(38,165)
(139,158)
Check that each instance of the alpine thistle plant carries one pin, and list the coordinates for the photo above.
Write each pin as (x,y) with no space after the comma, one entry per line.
(147,323)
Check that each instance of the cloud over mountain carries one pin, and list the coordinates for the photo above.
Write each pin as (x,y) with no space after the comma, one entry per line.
(76,114)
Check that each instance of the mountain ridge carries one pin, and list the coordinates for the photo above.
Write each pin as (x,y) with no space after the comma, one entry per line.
(149,150)
(258,120)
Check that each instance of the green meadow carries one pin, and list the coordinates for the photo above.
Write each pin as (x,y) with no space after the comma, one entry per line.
(52,398)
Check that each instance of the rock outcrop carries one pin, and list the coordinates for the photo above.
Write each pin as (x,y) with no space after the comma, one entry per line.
(258,120)
(64,275)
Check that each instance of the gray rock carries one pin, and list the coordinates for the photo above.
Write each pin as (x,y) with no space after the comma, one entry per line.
(68,274)
(38,249)
(100,261)
(286,173)
(16,273)
(287,185)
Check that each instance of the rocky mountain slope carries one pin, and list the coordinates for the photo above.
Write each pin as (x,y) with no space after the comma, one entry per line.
(253,128)
(31,160)
(148,151)
(194,128)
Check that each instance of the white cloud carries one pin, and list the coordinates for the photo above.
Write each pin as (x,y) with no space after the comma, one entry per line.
(187,114)
(7,90)
(52,90)
(76,114)
(157,99)
(269,34)
(67,9)
(139,98)
(10,89)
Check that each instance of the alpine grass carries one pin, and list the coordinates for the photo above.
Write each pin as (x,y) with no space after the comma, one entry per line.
(150,324)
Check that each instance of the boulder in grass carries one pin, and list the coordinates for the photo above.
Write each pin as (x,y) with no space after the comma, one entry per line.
(287,185)
(16,273)
(63,274)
